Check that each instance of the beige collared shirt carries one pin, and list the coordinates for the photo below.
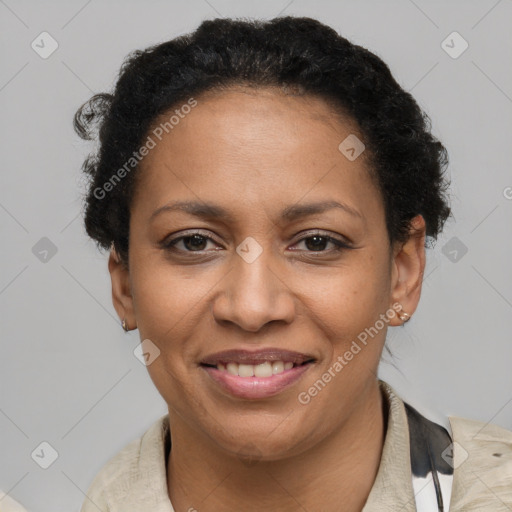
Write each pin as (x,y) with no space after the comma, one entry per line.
(135,479)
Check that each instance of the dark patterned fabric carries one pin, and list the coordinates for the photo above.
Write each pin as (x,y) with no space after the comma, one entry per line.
(431,462)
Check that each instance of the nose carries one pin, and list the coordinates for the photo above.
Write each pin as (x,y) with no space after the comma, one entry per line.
(253,294)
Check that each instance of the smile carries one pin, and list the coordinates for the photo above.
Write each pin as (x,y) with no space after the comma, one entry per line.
(255,374)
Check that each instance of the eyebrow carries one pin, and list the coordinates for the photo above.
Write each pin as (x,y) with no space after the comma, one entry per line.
(290,213)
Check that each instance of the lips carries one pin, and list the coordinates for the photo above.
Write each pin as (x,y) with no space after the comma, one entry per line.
(256,375)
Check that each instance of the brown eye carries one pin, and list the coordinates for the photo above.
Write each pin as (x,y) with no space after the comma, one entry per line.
(195,242)
(316,243)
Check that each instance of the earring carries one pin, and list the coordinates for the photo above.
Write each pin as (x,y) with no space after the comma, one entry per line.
(124,326)
(405,317)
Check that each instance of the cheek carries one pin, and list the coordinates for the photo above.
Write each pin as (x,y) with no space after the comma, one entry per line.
(352,296)
(164,300)
(352,307)
(348,311)
(167,309)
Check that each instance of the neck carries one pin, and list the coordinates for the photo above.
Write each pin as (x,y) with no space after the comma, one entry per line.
(340,470)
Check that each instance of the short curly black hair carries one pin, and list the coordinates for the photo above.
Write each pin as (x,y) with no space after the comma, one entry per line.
(293,53)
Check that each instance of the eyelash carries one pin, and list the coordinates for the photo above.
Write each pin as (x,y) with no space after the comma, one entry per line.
(339,245)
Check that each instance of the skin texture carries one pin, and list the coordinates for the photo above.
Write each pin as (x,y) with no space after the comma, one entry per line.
(255,152)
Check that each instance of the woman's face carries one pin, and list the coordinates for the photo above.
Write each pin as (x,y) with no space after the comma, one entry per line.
(266,186)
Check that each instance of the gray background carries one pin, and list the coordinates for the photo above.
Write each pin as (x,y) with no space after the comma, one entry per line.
(67,372)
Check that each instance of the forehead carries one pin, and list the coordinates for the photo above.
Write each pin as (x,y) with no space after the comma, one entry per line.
(257,145)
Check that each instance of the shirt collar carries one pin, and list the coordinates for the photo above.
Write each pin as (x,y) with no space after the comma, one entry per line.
(392,490)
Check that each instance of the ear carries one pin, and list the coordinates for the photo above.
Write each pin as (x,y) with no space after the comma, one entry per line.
(408,266)
(121,289)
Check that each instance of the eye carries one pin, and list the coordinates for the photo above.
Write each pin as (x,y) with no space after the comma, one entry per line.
(317,242)
(191,242)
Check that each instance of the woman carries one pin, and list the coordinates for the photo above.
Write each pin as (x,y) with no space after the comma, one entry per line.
(266,190)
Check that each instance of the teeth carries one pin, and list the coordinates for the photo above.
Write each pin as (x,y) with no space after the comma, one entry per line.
(246,370)
(263,370)
(277,367)
(232,368)
(266,369)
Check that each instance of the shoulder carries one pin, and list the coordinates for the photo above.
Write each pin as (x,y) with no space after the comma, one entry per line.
(123,471)
(482,461)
